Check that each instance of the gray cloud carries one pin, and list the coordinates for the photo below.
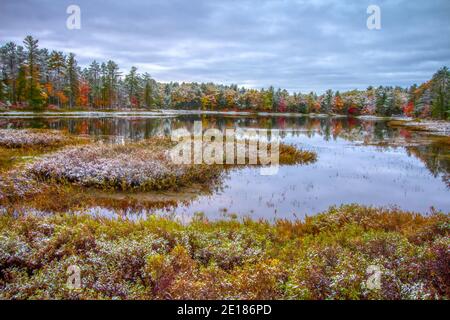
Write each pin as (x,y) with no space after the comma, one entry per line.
(298,45)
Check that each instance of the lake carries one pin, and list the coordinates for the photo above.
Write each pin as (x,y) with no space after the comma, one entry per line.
(360,161)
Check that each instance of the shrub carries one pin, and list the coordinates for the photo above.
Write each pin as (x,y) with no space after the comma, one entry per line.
(324,257)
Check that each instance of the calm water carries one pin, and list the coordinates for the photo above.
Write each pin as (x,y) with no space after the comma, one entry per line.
(352,167)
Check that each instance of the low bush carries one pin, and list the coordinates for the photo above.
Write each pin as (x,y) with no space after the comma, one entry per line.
(323,257)
(11,138)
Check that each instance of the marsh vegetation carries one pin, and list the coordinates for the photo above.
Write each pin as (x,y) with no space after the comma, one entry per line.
(49,181)
(323,257)
(54,181)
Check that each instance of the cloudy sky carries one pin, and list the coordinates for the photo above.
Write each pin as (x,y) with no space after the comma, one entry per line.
(300,45)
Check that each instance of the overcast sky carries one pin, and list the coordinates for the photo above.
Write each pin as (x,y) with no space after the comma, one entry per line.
(298,45)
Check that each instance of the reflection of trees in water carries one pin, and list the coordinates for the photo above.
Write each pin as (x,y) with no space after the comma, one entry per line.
(436,157)
(135,128)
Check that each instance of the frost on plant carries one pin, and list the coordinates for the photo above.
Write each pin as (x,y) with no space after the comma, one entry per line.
(30,138)
(143,166)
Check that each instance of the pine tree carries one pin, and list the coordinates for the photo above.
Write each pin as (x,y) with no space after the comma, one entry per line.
(110,73)
(56,67)
(11,57)
(389,103)
(423,106)
(72,80)
(440,88)
(148,93)
(132,86)
(380,101)
(94,79)
(327,101)
(33,93)
(21,83)
(268,99)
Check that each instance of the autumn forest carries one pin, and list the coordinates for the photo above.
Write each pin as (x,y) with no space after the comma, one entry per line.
(38,78)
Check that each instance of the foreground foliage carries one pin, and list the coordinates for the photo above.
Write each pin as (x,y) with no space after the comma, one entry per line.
(323,257)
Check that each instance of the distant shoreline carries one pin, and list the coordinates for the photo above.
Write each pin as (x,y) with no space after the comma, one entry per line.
(437,127)
(187,112)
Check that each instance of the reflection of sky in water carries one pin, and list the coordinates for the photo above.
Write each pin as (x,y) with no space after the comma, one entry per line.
(345,172)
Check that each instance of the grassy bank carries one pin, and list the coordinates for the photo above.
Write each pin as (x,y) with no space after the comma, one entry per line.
(323,257)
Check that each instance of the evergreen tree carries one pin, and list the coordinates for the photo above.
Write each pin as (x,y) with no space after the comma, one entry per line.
(327,101)
(423,106)
(148,99)
(21,83)
(380,101)
(33,89)
(11,57)
(95,83)
(132,86)
(110,73)
(72,78)
(56,67)
(440,88)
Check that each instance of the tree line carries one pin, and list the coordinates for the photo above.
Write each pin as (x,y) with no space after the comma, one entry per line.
(37,78)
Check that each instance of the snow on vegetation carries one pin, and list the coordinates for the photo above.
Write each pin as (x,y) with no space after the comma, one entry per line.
(143,166)
(11,138)
(435,126)
(327,256)
(16,185)
(48,181)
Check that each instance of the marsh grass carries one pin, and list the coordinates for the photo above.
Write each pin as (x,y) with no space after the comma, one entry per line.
(126,177)
(9,156)
(21,146)
(34,138)
(23,194)
(323,257)
(290,155)
(143,166)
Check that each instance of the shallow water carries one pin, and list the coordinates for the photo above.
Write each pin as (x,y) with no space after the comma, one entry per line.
(359,161)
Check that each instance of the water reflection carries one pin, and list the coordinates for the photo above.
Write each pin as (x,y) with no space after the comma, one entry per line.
(435,156)
(136,128)
(361,161)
